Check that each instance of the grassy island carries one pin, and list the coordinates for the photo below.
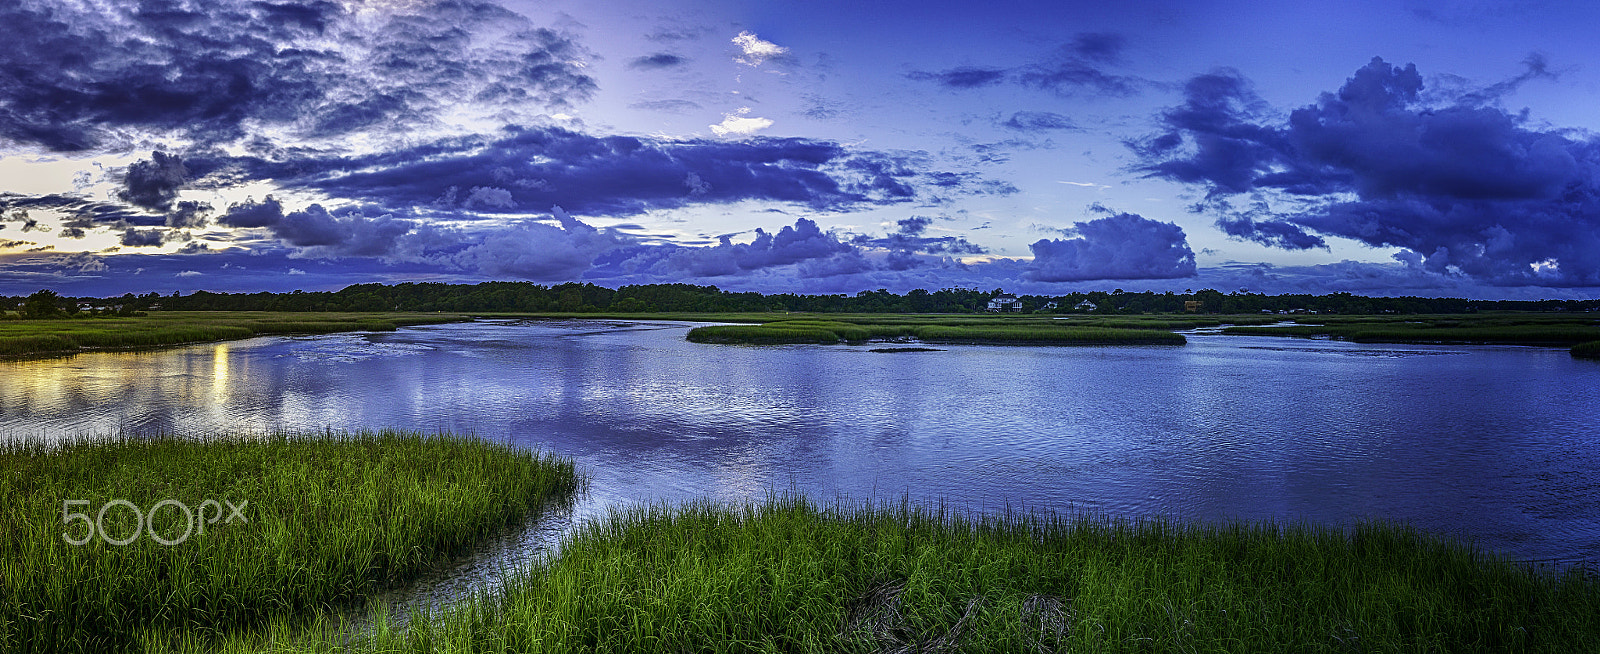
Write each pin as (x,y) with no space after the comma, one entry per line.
(1581,332)
(20,337)
(323,521)
(940,329)
(788,576)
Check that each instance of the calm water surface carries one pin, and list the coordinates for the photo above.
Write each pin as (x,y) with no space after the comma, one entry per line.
(1500,444)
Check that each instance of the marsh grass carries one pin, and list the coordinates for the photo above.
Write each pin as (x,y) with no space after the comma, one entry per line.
(789,576)
(1590,350)
(328,520)
(938,330)
(25,337)
(1441,329)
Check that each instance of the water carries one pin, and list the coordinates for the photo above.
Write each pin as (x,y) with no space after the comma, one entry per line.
(1496,444)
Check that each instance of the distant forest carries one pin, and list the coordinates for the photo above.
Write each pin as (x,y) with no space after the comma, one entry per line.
(684,298)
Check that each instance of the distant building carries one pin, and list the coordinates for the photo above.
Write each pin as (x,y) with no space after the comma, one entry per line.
(1051,305)
(1084,306)
(1192,306)
(1005,303)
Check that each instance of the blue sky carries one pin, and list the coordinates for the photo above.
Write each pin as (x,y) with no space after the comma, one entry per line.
(1382,148)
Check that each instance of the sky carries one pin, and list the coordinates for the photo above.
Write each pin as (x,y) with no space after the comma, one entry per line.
(1377,148)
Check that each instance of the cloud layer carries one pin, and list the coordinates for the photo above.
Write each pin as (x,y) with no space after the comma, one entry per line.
(1462,184)
(528,170)
(75,74)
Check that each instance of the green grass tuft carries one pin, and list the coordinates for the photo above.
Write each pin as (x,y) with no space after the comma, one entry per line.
(331,519)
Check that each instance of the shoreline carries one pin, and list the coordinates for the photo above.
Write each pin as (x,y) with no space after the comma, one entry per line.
(791,570)
(38,339)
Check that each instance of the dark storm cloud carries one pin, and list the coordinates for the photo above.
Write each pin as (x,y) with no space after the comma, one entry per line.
(657,61)
(251,213)
(138,238)
(1123,246)
(965,77)
(309,227)
(1271,233)
(1259,224)
(530,170)
(153,183)
(83,209)
(1035,121)
(73,77)
(1466,186)
(321,234)
(189,214)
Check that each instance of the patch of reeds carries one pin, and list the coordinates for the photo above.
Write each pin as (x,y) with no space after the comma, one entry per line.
(1590,350)
(324,520)
(789,576)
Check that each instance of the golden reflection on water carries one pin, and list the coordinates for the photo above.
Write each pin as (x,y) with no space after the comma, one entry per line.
(219,372)
(102,393)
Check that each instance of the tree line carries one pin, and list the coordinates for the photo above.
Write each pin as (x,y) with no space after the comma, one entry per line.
(686,298)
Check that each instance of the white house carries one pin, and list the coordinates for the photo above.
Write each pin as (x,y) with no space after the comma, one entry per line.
(1085,306)
(1005,303)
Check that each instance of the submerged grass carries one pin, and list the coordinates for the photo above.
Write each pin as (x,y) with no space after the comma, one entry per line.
(1590,350)
(326,520)
(26,337)
(790,576)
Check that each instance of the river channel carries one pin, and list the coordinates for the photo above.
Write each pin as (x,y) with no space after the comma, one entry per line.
(1497,444)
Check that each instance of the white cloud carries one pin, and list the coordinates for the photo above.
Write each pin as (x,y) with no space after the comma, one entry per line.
(296,271)
(188,273)
(736,124)
(756,50)
(1086,184)
(489,196)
